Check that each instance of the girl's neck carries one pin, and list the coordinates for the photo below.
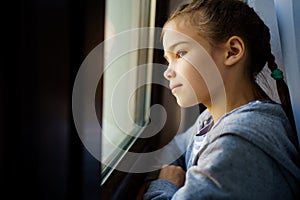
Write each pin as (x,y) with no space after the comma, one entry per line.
(237,96)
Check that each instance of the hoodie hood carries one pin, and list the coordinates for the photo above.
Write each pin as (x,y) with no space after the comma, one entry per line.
(269,130)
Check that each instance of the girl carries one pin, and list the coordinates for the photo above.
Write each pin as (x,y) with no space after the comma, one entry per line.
(244,144)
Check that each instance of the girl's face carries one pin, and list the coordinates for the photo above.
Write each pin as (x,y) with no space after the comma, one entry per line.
(192,72)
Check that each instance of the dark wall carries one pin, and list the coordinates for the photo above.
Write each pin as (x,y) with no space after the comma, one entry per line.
(45,42)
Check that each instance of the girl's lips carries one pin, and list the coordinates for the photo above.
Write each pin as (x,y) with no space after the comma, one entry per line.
(175,87)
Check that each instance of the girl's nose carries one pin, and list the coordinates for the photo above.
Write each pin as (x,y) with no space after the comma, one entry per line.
(169,73)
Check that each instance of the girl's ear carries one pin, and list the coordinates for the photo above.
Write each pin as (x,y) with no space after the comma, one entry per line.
(235,50)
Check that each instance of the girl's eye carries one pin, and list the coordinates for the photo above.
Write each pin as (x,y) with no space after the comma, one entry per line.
(180,54)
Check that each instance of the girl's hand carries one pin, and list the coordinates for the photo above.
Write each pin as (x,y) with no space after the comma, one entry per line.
(174,174)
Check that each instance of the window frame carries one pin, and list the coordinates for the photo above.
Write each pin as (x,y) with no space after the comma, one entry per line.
(124,185)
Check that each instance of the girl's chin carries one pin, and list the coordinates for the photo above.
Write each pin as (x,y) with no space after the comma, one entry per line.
(184,104)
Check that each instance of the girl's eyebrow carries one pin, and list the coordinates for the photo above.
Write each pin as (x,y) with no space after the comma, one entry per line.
(176,44)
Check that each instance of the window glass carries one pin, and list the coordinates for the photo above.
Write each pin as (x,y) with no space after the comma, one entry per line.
(124,101)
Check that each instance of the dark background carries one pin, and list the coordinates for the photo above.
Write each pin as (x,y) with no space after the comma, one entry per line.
(43,45)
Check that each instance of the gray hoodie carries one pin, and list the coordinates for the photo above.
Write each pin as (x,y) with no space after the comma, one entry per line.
(247,154)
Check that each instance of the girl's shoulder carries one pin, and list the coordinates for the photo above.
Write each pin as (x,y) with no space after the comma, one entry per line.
(256,114)
(262,124)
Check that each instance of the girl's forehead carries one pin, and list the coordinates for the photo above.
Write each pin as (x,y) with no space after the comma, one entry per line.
(178,25)
(176,31)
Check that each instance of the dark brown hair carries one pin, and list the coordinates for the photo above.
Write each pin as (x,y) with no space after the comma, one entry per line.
(218,20)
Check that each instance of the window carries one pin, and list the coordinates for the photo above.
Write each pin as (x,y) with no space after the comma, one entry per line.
(125,99)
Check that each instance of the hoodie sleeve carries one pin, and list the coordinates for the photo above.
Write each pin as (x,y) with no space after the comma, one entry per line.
(160,189)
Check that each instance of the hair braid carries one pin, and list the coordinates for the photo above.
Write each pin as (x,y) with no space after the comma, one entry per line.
(283,92)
